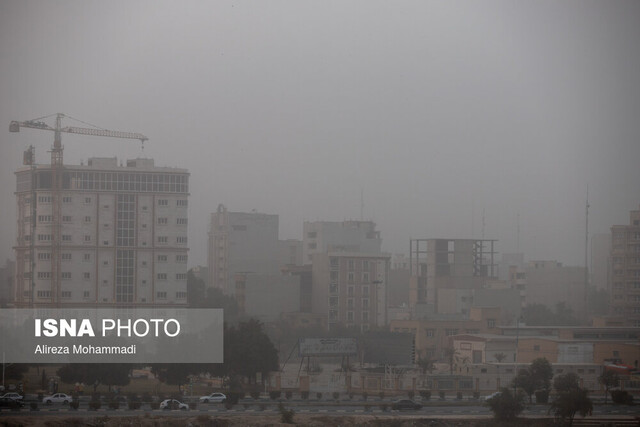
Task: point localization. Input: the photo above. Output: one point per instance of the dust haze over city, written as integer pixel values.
(433, 119)
(446, 192)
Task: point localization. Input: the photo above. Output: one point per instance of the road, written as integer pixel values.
(270, 407)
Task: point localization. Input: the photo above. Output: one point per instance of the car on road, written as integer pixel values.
(57, 398)
(409, 404)
(492, 395)
(214, 398)
(7, 402)
(14, 396)
(173, 404)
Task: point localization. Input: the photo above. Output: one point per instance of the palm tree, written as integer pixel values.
(499, 357)
(451, 354)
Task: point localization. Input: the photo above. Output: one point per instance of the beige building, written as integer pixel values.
(351, 289)
(624, 278)
(432, 336)
(118, 236)
(550, 283)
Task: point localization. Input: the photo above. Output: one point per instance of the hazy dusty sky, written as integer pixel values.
(437, 111)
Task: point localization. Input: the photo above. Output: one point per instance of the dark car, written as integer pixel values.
(409, 404)
(7, 402)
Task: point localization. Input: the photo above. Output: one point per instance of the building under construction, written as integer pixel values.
(444, 273)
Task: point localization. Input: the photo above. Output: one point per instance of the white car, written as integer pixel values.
(173, 404)
(13, 396)
(492, 395)
(213, 397)
(57, 398)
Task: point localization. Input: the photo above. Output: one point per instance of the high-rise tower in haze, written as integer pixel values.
(123, 235)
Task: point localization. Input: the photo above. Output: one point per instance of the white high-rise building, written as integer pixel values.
(122, 232)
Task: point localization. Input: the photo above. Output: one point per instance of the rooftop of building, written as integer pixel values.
(111, 164)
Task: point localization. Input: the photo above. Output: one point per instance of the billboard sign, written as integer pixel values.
(327, 347)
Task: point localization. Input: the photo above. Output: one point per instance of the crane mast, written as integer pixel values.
(56, 187)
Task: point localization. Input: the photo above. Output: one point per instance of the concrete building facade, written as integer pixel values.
(246, 243)
(346, 236)
(351, 289)
(624, 278)
(123, 232)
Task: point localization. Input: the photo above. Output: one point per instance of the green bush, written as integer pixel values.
(476, 395)
(542, 396)
(304, 395)
(255, 395)
(351, 396)
(506, 406)
(621, 397)
(94, 404)
(286, 415)
(233, 397)
(319, 395)
(288, 395)
(384, 407)
(33, 406)
(114, 404)
(155, 405)
(192, 405)
(441, 394)
(275, 394)
(336, 395)
(459, 395)
(133, 404)
(425, 394)
(146, 397)
(75, 403)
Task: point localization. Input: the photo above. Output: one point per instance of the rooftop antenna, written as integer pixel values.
(483, 223)
(586, 252)
(361, 204)
(518, 232)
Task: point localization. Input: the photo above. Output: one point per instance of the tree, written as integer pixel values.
(426, 365)
(109, 374)
(15, 371)
(199, 296)
(609, 379)
(542, 372)
(541, 315)
(174, 373)
(506, 406)
(570, 402)
(499, 357)
(566, 382)
(524, 380)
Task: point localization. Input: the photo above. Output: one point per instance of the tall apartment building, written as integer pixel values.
(350, 288)
(348, 236)
(246, 243)
(123, 235)
(624, 279)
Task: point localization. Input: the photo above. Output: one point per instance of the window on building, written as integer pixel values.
(365, 291)
(181, 295)
(351, 277)
(181, 221)
(162, 239)
(44, 237)
(87, 200)
(87, 219)
(350, 304)
(86, 257)
(349, 316)
(491, 323)
(334, 262)
(44, 275)
(333, 301)
(365, 316)
(181, 202)
(350, 291)
(162, 221)
(66, 237)
(87, 238)
(87, 276)
(66, 294)
(333, 276)
(450, 332)
(66, 199)
(44, 294)
(351, 265)
(365, 277)
(86, 294)
(181, 240)
(43, 256)
(161, 295)
(429, 333)
(162, 276)
(66, 275)
(312, 234)
(66, 256)
(536, 347)
(162, 258)
(181, 258)
(163, 202)
(181, 276)
(365, 304)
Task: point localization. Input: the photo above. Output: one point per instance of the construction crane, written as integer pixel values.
(56, 183)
